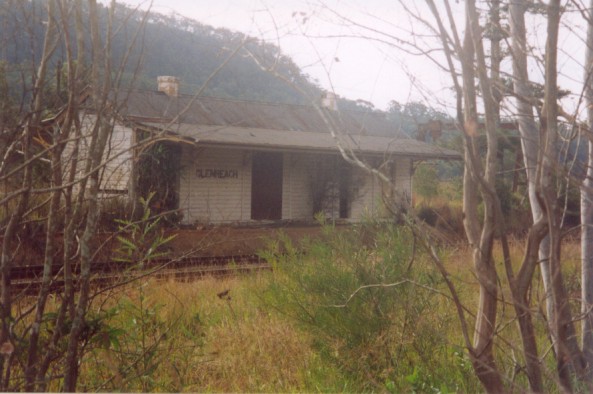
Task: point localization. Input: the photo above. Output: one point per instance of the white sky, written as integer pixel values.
(354, 68)
(358, 68)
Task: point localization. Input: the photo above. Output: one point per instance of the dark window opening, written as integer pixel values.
(266, 186)
(158, 175)
(345, 189)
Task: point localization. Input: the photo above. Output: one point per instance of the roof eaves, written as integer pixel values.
(354, 143)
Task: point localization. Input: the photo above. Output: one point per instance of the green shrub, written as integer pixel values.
(368, 307)
(137, 349)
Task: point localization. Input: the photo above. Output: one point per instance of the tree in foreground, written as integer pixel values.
(489, 59)
(54, 149)
(482, 88)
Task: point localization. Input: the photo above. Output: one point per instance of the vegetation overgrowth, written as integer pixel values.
(301, 327)
(210, 335)
(358, 310)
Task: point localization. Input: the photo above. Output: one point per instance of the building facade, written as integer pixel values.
(240, 161)
(218, 185)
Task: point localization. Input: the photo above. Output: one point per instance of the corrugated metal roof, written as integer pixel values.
(290, 140)
(253, 114)
(217, 121)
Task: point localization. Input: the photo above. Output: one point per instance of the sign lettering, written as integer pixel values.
(216, 173)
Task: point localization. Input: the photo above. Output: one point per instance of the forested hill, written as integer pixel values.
(168, 45)
(178, 46)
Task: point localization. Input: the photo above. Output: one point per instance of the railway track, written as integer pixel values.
(28, 278)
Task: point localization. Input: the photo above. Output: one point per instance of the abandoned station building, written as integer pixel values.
(241, 161)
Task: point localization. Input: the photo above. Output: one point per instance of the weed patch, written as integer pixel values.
(370, 308)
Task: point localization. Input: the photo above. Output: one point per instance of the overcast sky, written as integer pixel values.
(355, 68)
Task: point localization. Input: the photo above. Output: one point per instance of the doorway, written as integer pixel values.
(266, 186)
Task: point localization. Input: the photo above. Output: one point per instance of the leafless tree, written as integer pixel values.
(47, 125)
(477, 80)
(587, 207)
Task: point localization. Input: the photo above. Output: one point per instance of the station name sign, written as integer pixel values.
(216, 173)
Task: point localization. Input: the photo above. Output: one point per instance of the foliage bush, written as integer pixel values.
(136, 344)
(366, 298)
(141, 241)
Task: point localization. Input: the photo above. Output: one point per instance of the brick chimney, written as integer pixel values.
(329, 101)
(169, 85)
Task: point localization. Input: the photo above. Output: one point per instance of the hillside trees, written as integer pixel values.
(65, 106)
(174, 45)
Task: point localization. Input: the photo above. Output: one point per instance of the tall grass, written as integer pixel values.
(372, 303)
(309, 325)
(178, 337)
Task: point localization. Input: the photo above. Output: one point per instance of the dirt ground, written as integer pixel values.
(189, 242)
(233, 240)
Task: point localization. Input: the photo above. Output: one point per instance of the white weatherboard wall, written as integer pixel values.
(117, 157)
(368, 196)
(297, 201)
(208, 190)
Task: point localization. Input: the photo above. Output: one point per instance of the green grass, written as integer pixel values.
(241, 334)
(281, 331)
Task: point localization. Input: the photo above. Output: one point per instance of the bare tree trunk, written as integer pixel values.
(528, 129)
(535, 248)
(569, 357)
(50, 42)
(61, 135)
(482, 242)
(34, 375)
(587, 211)
(478, 180)
(101, 76)
(496, 58)
(72, 207)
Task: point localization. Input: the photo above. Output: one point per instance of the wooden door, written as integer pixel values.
(266, 186)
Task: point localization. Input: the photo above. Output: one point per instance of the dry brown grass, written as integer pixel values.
(243, 347)
(259, 354)
(248, 349)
